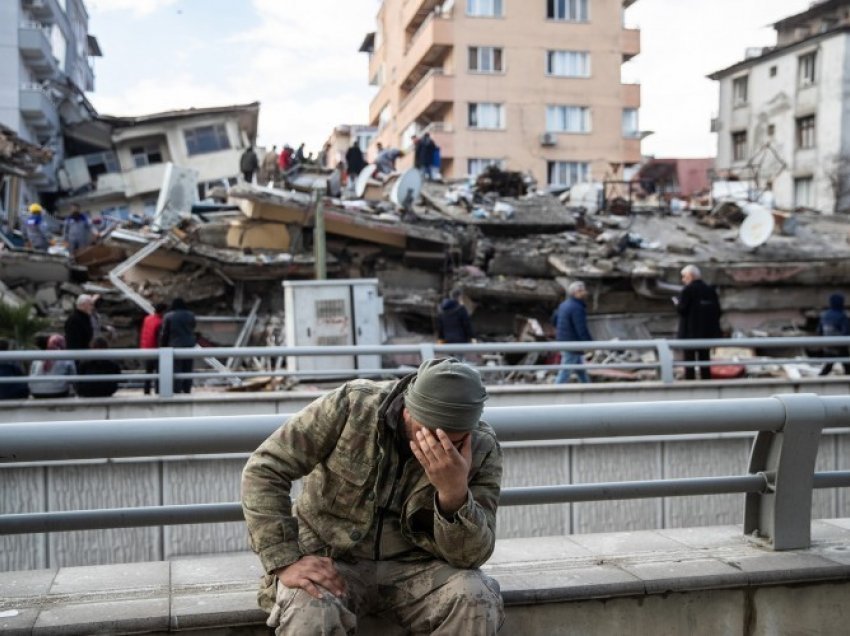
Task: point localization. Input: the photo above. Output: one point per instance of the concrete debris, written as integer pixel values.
(510, 248)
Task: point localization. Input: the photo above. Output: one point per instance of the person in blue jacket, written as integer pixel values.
(453, 322)
(571, 326)
(834, 322)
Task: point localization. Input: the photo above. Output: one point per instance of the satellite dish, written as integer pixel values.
(757, 227)
(363, 180)
(408, 184)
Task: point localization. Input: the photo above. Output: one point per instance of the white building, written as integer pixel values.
(784, 116)
(45, 71)
(124, 175)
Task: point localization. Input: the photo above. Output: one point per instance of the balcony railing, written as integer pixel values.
(38, 110)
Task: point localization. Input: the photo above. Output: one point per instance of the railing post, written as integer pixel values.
(782, 515)
(166, 372)
(665, 361)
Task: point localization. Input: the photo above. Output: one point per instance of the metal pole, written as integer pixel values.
(665, 359)
(319, 238)
(166, 372)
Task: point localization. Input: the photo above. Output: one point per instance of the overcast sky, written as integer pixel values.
(299, 58)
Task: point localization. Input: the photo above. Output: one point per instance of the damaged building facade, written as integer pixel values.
(533, 86)
(45, 71)
(123, 169)
(783, 120)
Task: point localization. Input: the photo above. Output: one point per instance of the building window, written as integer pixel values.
(771, 130)
(485, 59)
(773, 71)
(739, 145)
(804, 192)
(806, 132)
(484, 8)
(486, 115)
(806, 69)
(205, 139)
(477, 165)
(567, 173)
(568, 119)
(384, 117)
(631, 127)
(568, 63)
(567, 10)
(364, 139)
(102, 163)
(739, 90)
(146, 154)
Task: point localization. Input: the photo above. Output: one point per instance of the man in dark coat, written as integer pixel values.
(178, 330)
(453, 323)
(248, 164)
(424, 159)
(571, 326)
(12, 369)
(79, 327)
(834, 322)
(98, 388)
(699, 318)
(354, 160)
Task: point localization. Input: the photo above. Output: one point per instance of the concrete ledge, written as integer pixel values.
(682, 573)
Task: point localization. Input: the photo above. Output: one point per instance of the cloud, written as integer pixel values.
(138, 7)
(300, 61)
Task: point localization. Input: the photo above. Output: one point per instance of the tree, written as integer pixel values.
(20, 324)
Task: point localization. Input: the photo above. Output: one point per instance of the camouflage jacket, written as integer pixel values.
(339, 444)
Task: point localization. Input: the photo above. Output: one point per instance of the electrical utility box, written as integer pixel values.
(324, 313)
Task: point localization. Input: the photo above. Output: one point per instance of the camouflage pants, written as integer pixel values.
(428, 597)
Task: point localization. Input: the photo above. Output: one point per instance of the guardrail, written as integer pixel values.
(777, 487)
(664, 363)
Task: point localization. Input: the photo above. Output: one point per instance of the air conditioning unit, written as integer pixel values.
(548, 139)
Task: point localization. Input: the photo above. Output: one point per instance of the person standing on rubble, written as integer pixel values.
(424, 159)
(453, 323)
(284, 162)
(571, 326)
(385, 161)
(699, 318)
(269, 168)
(397, 511)
(80, 325)
(834, 322)
(78, 230)
(178, 331)
(354, 161)
(248, 164)
(37, 233)
(299, 155)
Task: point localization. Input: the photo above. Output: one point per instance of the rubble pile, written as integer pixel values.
(510, 248)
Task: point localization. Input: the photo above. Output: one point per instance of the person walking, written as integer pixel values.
(400, 484)
(571, 326)
(178, 330)
(248, 164)
(149, 339)
(834, 322)
(699, 318)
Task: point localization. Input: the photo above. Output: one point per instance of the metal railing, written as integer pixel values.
(663, 364)
(777, 487)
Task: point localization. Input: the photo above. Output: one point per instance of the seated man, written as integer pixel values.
(98, 388)
(397, 512)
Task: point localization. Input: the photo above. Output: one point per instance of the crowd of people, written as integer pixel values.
(168, 326)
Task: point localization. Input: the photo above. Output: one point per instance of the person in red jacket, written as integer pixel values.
(149, 339)
(285, 161)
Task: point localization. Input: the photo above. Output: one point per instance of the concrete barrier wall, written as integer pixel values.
(208, 480)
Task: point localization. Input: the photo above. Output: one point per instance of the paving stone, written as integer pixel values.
(114, 617)
(539, 584)
(826, 531)
(679, 576)
(841, 523)
(837, 553)
(215, 571)
(626, 543)
(25, 583)
(511, 551)
(711, 537)
(111, 578)
(16, 621)
(786, 567)
(196, 611)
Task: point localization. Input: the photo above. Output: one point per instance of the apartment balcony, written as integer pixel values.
(42, 10)
(39, 111)
(427, 49)
(630, 43)
(142, 180)
(381, 99)
(630, 95)
(34, 45)
(428, 99)
(376, 59)
(415, 12)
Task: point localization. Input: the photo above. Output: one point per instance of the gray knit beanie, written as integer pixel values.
(446, 394)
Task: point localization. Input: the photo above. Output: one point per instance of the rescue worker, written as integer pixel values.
(37, 232)
(78, 230)
(397, 510)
